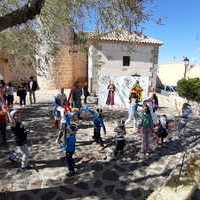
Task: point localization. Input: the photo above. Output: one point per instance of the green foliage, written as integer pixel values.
(102, 15)
(108, 15)
(189, 89)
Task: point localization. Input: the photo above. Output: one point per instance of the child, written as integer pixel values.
(98, 123)
(20, 138)
(3, 123)
(120, 139)
(162, 129)
(186, 111)
(61, 98)
(147, 126)
(69, 146)
(66, 120)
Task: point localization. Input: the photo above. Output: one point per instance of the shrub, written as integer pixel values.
(189, 89)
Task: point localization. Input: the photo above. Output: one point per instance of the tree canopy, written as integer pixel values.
(189, 89)
(106, 14)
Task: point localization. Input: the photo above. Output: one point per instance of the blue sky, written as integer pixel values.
(180, 32)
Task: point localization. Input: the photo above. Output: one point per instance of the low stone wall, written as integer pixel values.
(177, 102)
(183, 187)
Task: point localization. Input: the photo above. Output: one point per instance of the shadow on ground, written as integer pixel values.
(96, 179)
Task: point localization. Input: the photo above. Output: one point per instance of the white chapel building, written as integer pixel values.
(122, 54)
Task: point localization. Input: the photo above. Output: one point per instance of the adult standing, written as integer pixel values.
(154, 99)
(3, 123)
(111, 94)
(21, 93)
(147, 125)
(2, 92)
(32, 87)
(85, 92)
(10, 94)
(76, 94)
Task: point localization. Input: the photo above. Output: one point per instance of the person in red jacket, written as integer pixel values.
(3, 123)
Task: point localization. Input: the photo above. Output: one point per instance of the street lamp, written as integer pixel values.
(186, 64)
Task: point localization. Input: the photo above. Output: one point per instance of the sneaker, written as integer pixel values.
(19, 170)
(71, 174)
(27, 168)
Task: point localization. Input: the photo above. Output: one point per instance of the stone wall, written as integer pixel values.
(13, 70)
(5, 71)
(70, 66)
(177, 102)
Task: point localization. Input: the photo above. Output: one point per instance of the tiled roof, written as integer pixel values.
(125, 36)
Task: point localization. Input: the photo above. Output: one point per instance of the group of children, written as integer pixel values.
(66, 120)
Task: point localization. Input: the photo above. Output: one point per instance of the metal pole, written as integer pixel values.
(185, 71)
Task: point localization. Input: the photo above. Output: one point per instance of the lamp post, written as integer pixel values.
(186, 64)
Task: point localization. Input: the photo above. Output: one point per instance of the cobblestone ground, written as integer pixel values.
(98, 175)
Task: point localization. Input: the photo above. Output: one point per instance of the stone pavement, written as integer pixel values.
(98, 175)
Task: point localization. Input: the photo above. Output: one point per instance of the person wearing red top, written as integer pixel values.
(67, 107)
(111, 94)
(2, 92)
(3, 123)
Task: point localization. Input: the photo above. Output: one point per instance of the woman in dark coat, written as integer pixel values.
(76, 94)
(86, 92)
(21, 93)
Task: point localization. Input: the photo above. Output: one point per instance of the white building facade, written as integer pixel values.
(122, 55)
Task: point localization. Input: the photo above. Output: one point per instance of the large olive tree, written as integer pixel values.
(31, 28)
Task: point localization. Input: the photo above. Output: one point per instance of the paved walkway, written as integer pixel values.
(98, 175)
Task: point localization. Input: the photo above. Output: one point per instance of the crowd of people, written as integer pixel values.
(22, 88)
(142, 113)
(9, 114)
(68, 111)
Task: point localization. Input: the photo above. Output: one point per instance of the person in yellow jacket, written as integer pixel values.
(137, 91)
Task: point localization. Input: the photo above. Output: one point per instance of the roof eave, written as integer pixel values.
(126, 41)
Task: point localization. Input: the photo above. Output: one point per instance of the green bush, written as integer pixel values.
(189, 89)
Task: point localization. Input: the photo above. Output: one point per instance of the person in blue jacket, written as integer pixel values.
(69, 147)
(98, 124)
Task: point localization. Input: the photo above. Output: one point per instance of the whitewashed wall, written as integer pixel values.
(123, 87)
(106, 58)
(177, 102)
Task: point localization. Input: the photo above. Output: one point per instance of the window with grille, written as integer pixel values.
(126, 61)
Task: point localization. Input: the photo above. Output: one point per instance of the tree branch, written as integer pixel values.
(21, 15)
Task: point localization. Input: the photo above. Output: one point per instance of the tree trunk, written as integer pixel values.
(21, 15)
